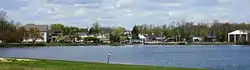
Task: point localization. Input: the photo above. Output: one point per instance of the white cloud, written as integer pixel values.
(127, 12)
(122, 3)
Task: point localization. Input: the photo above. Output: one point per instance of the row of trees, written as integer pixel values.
(115, 34)
(186, 30)
(69, 31)
(11, 31)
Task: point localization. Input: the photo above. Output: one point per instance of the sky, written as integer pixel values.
(125, 13)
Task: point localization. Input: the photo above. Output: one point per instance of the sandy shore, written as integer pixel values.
(14, 59)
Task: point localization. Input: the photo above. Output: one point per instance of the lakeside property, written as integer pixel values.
(43, 64)
(215, 32)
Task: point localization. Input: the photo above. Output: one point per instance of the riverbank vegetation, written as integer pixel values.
(42, 64)
(178, 31)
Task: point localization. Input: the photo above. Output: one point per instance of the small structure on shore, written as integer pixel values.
(155, 38)
(142, 37)
(238, 35)
(197, 39)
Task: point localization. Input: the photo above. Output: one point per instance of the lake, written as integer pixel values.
(221, 57)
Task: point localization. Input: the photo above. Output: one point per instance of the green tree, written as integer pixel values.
(83, 30)
(91, 40)
(8, 32)
(105, 30)
(91, 31)
(117, 35)
(59, 38)
(95, 29)
(34, 34)
(71, 32)
(22, 34)
(57, 27)
(135, 32)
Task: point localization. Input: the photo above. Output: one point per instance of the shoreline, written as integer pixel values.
(28, 63)
(114, 44)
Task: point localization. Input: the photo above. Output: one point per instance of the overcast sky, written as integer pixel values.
(126, 13)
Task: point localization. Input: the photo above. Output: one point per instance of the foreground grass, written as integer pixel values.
(70, 65)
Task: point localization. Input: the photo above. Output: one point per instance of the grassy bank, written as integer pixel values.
(41, 64)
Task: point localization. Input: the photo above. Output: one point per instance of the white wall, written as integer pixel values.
(44, 36)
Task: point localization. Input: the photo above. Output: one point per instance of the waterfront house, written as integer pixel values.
(210, 38)
(43, 32)
(170, 40)
(128, 36)
(238, 35)
(142, 37)
(155, 38)
(82, 34)
(102, 37)
(55, 34)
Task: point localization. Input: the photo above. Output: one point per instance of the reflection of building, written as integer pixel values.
(238, 35)
(43, 32)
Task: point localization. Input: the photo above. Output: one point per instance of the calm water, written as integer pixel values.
(212, 57)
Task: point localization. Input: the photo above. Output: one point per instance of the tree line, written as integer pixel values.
(11, 31)
(186, 30)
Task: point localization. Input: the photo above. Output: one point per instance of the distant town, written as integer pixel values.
(179, 32)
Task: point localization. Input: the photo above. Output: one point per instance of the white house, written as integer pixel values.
(238, 35)
(83, 34)
(197, 39)
(43, 32)
(102, 37)
(142, 37)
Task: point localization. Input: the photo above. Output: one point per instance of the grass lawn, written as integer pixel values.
(42, 64)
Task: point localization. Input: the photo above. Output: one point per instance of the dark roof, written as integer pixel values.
(42, 28)
(82, 33)
(151, 36)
